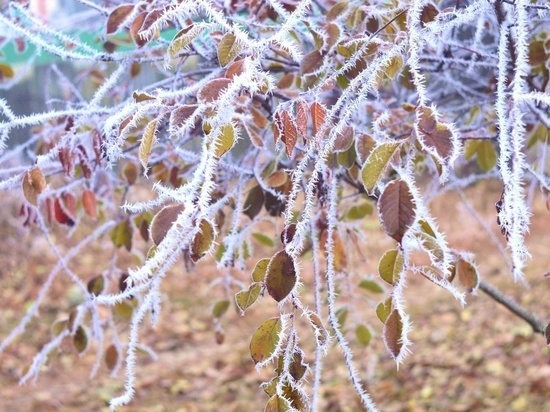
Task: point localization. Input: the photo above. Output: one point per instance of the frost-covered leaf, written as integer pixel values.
(396, 209)
(228, 49)
(376, 164)
(321, 333)
(212, 90)
(245, 298)
(301, 117)
(142, 96)
(289, 132)
(281, 276)
(277, 404)
(203, 240)
(467, 274)
(180, 114)
(135, 28)
(34, 183)
(311, 62)
(260, 270)
(318, 115)
(162, 222)
(182, 39)
(225, 140)
(434, 135)
(265, 340)
(117, 17)
(390, 266)
(393, 333)
(394, 67)
(383, 309)
(147, 142)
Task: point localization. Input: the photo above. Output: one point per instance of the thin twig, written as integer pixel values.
(529, 317)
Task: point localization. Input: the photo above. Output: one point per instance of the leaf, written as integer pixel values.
(6, 72)
(254, 202)
(341, 317)
(429, 13)
(228, 49)
(321, 333)
(117, 17)
(124, 309)
(180, 114)
(96, 285)
(162, 222)
(147, 141)
(265, 340)
(376, 164)
(245, 298)
(289, 133)
(311, 62)
(344, 140)
(363, 335)
(142, 97)
(80, 339)
(111, 357)
(393, 333)
(260, 270)
(225, 140)
(486, 155)
(277, 404)
(220, 307)
(301, 117)
(263, 239)
(61, 214)
(34, 183)
(396, 209)
(371, 286)
(281, 276)
(234, 69)
(391, 266)
(203, 240)
(59, 326)
(288, 233)
(135, 28)
(467, 274)
(360, 211)
(337, 10)
(182, 39)
(318, 116)
(121, 235)
(383, 309)
(364, 144)
(89, 203)
(394, 66)
(130, 173)
(435, 136)
(212, 90)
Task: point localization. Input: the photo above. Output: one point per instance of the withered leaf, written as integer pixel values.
(117, 17)
(89, 202)
(265, 340)
(228, 49)
(111, 357)
(180, 114)
(393, 333)
(436, 136)
(162, 222)
(34, 183)
(203, 240)
(212, 90)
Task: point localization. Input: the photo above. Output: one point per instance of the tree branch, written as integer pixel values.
(529, 317)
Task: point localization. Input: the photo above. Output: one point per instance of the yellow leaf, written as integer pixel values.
(147, 142)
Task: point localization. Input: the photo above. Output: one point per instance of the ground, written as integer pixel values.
(477, 358)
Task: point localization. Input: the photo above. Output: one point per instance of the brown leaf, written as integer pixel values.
(396, 209)
(117, 17)
(228, 49)
(254, 202)
(203, 240)
(150, 19)
(289, 135)
(318, 115)
(393, 333)
(180, 114)
(34, 183)
(467, 274)
(212, 90)
(281, 276)
(234, 69)
(89, 203)
(311, 62)
(301, 117)
(111, 357)
(162, 222)
(436, 136)
(265, 340)
(135, 28)
(96, 285)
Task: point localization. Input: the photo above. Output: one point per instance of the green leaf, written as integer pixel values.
(383, 309)
(265, 340)
(390, 266)
(376, 164)
(228, 49)
(121, 235)
(219, 308)
(371, 286)
(360, 211)
(80, 339)
(426, 228)
(263, 239)
(96, 285)
(486, 155)
(281, 276)
(363, 335)
(245, 298)
(260, 270)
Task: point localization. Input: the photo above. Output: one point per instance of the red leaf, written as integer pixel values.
(318, 115)
(301, 117)
(90, 203)
(136, 27)
(397, 210)
(290, 134)
(211, 91)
